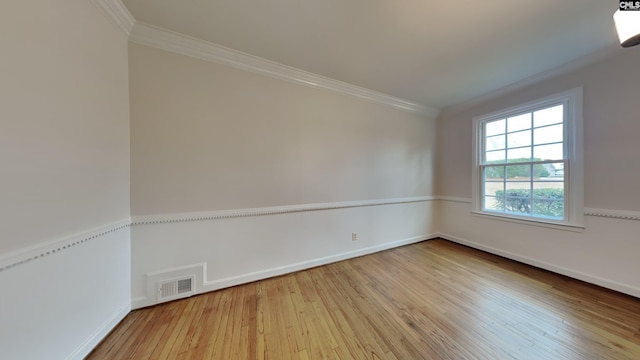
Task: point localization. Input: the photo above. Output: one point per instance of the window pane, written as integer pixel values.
(548, 116)
(495, 127)
(520, 205)
(548, 134)
(495, 142)
(494, 188)
(548, 152)
(519, 139)
(519, 172)
(548, 199)
(548, 208)
(493, 203)
(519, 122)
(519, 155)
(518, 188)
(495, 156)
(494, 173)
(555, 170)
(548, 171)
(549, 189)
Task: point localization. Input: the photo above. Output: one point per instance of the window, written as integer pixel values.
(528, 161)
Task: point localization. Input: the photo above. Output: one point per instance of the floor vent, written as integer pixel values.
(176, 288)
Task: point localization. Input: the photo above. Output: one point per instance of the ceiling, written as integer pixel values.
(433, 52)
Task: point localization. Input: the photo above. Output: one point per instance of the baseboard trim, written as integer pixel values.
(140, 302)
(606, 283)
(218, 284)
(92, 341)
(28, 254)
(273, 272)
(275, 210)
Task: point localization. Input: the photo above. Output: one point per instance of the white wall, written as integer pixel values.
(64, 150)
(605, 252)
(60, 306)
(208, 137)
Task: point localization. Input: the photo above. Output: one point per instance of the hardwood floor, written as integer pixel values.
(431, 300)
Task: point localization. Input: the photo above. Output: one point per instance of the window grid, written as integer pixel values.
(503, 152)
(527, 207)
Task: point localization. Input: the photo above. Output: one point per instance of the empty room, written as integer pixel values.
(313, 179)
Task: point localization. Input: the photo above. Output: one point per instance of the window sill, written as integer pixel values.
(529, 221)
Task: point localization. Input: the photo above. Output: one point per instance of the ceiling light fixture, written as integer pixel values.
(628, 27)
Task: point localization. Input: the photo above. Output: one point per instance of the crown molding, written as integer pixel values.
(275, 210)
(164, 39)
(116, 13)
(589, 59)
(28, 254)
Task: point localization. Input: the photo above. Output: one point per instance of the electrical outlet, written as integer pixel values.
(354, 236)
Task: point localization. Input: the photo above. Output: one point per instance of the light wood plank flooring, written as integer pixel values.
(431, 300)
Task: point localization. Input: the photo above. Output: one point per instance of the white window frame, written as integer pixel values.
(573, 150)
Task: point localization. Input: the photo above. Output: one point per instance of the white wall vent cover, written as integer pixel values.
(176, 288)
(175, 283)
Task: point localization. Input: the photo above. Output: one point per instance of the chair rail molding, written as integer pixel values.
(594, 212)
(275, 210)
(613, 214)
(25, 255)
